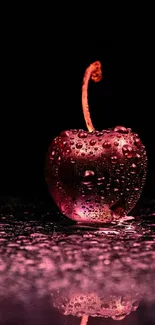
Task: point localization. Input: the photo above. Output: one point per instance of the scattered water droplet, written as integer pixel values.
(88, 173)
(106, 144)
(68, 151)
(105, 306)
(99, 134)
(82, 134)
(127, 151)
(137, 142)
(100, 179)
(79, 145)
(120, 129)
(77, 305)
(92, 142)
(113, 159)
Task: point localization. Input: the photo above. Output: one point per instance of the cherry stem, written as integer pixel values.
(94, 72)
(84, 320)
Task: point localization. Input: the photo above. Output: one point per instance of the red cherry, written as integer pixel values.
(95, 176)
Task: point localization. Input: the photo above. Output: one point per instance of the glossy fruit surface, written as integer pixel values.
(96, 176)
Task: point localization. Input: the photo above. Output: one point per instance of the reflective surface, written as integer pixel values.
(56, 273)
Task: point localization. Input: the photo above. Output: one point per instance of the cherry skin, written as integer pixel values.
(95, 176)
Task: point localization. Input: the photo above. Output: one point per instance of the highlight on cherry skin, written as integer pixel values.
(95, 176)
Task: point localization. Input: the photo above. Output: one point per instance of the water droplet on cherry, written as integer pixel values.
(79, 145)
(120, 129)
(113, 159)
(92, 142)
(106, 144)
(127, 151)
(82, 135)
(137, 142)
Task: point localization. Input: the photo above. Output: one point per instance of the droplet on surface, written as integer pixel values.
(64, 143)
(82, 135)
(120, 129)
(99, 134)
(79, 145)
(127, 151)
(137, 142)
(106, 144)
(92, 142)
(88, 173)
(113, 159)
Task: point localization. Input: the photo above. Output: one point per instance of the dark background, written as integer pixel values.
(41, 96)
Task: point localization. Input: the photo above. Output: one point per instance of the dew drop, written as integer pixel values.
(116, 143)
(88, 173)
(100, 179)
(106, 144)
(82, 135)
(120, 129)
(99, 134)
(105, 306)
(127, 151)
(77, 305)
(137, 142)
(92, 142)
(138, 155)
(68, 151)
(113, 159)
(79, 145)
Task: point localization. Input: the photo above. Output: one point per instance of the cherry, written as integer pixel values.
(95, 176)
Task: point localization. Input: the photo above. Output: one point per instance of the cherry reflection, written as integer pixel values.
(104, 286)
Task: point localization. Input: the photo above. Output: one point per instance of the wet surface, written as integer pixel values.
(54, 273)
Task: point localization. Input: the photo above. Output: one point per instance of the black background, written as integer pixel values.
(41, 96)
